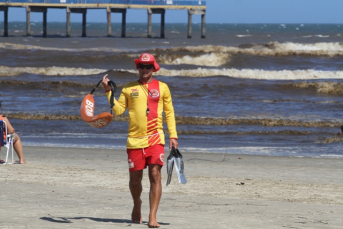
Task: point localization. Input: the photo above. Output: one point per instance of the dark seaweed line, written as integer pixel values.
(190, 120)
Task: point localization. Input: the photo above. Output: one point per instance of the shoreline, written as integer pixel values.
(88, 188)
(223, 151)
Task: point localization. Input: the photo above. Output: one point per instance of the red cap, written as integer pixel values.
(147, 58)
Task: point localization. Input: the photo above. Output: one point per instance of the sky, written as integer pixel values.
(218, 11)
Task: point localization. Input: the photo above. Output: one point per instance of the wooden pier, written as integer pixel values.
(152, 7)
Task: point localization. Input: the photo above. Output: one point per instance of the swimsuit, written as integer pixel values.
(138, 159)
(4, 132)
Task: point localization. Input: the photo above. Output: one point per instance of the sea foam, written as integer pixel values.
(199, 72)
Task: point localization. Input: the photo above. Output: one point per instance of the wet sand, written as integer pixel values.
(88, 188)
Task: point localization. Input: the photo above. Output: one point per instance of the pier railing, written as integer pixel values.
(128, 2)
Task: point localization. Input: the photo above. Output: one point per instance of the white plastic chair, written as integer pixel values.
(7, 142)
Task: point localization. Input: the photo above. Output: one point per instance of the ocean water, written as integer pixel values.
(260, 89)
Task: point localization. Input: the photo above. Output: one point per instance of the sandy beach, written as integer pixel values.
(88, 188)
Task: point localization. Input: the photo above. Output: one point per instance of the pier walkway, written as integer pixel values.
(109, 6)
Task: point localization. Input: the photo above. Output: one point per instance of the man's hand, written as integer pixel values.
(105, 81)
(173, 142)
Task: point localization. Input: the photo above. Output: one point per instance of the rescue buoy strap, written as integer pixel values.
(113, 90)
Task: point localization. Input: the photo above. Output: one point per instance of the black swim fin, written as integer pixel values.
(170, 165)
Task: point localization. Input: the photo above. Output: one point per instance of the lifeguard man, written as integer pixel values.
(146, 100)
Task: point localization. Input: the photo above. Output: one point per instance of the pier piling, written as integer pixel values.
(123, 24)
(149, 23)
(28, 23)
(189, 34)
(68, 23)
(109, 27)
(45, 23)
(5, 9)
(84, 24)
(203, 28)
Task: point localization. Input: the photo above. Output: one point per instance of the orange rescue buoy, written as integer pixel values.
(87, 109)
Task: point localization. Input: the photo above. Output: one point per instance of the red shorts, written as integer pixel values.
(138, 159)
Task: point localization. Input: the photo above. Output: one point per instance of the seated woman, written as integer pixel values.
(18, 147)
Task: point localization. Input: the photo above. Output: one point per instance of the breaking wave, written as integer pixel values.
(57, 71)
(35, 47)
(212, 59)
(49, 83)
(255, 74)
(191, 120)
(334, 139)
(321, 87)
(199, 72)
(61, 83)
(269, 49)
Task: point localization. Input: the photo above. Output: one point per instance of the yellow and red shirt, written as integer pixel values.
(146, 103)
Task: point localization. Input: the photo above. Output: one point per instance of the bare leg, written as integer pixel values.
(136, 190)
(18, 147)
(155, 194)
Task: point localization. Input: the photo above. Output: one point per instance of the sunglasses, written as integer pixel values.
(142, 66)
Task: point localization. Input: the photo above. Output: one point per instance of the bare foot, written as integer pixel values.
(152, 222)
(136, 216)
(20, 162)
